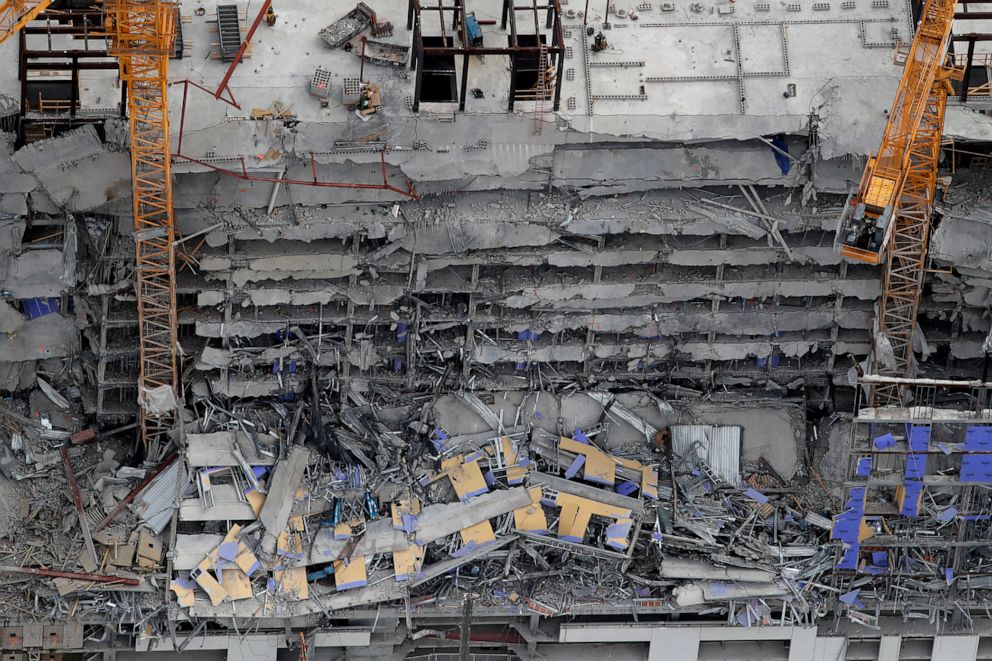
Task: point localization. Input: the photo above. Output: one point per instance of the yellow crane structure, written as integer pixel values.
(888, 217)
(141, 34)
(15, 14)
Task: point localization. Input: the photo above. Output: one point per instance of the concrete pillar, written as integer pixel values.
(803, 643)
(954, 648)
(889, 647)
(252, 648)
(671, 643)
(829, 648)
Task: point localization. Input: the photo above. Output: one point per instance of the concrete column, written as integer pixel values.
(889, 647)
(954, 648)
(252, 648)
(829, 648)
(671, 643)
(803, 643)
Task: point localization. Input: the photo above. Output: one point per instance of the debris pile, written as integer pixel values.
(375, 501)
(79, 537)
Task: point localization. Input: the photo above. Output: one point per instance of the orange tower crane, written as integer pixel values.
(888, 217)
(142, 33)
(15, 14)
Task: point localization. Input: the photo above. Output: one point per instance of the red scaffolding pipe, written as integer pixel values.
(241, 52)
(76, 576)
(243, 174)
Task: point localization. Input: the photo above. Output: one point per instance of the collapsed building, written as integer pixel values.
(514, 337)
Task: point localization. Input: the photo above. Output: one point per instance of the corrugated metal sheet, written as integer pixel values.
(719, 447)
(154, 505)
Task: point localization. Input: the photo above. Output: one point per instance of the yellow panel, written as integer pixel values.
(649, 482)
(880, 193)
(509, 452)
(238, 585)
(289, 545)
(351, 573)
(620, 541)
(571, 445)
(530, 518)
(205, 579)
(514, 474)
(465, 478)
(407, 562)
(573, 522)
(479, 534)
(214, 590)
(629, 463)
(859, 255)
(865, 531)
(599, 467)
(404, 506)
(256, 500)
(292, 583)
(594, 507)
(185, 596)
(246, 560)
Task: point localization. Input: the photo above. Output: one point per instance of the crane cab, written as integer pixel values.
(866, 222)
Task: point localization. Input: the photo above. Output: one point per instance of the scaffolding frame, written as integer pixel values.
(946, 410)
(553, 53)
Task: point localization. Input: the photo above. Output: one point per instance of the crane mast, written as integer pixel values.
(15, 14)
(142, 34)
(888, 217)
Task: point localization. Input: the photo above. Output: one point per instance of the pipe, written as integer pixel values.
(135, 491)
(76, 576)
(241, 51)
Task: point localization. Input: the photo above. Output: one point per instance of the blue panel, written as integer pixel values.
(39, 307)
(846, 526)
(976, 468)
(978, 439)
(916, 466)
(864, 467)
(919, 439)
(885, 441)
(850, 558)
(910, 505)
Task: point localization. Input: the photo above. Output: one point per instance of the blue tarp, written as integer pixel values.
(784, 162)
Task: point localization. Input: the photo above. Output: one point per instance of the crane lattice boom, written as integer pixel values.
(142, 34)
(888, 217)
(15, 14)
